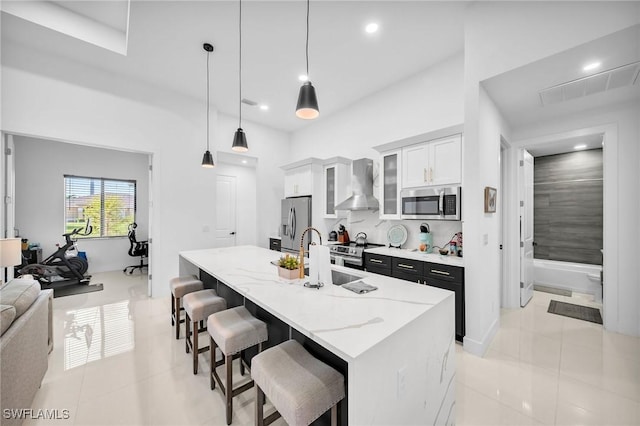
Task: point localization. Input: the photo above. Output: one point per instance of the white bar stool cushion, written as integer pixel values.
(181, 286)
(236, 329)
(200, 304)
(300, 386)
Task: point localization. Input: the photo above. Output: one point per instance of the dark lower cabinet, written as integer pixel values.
(458, 289)
(275, 244)
(377, 264)
(407, 269)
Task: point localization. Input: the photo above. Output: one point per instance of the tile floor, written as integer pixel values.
(116, 362)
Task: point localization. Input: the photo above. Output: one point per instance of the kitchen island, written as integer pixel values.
(395, 345)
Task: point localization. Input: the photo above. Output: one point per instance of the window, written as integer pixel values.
(109, 203)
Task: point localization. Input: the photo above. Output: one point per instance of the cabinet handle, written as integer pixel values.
(424, 174)
(375, 261)
(431, 174)
(435, 271)
(402, 265)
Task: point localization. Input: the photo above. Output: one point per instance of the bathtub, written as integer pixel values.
(579, 277)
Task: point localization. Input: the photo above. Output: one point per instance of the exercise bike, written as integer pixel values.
(64, 267)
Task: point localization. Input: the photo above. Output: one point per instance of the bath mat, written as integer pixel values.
(76, 289)
(584, 313)
(552, 290)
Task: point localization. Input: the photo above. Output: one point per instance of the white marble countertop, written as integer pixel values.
(418, 255)
(275, 237)
(344, 322)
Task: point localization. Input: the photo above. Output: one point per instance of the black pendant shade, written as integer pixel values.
(207, 160)
(307, 102)
(240, 141)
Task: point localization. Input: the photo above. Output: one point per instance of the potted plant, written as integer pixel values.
(288, 267)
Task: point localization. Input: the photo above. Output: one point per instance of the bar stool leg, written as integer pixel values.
(259, 406)
(187, 331)
(196, 348)
(173, 309)
(229, 391)
(177, 314)
(334, 415)
(212, 348)
(241, 364)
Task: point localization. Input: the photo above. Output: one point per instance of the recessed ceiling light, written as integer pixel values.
(264, 107)
(371, 28)
(591, 66)
(303, 77)
(579, 147)
(244, 161)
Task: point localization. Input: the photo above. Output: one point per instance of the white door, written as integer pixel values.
(225, 211)
(526, 227)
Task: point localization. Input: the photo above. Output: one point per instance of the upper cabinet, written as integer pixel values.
(300, 177)
(335, 185)
(437, 162)
(390, 173)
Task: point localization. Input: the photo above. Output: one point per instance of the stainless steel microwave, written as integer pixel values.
(439, 203)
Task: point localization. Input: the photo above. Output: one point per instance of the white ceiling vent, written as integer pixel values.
(625, 75)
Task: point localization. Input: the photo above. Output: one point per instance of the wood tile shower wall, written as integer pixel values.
(568, 206)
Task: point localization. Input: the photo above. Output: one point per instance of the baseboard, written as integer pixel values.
(479, 348)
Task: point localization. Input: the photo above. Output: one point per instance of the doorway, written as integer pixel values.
(225, 211)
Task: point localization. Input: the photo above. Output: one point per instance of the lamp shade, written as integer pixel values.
(240, 141)
(207, 160)
(307, 102)
(10, 252)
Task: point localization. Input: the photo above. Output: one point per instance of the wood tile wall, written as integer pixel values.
(568, 207)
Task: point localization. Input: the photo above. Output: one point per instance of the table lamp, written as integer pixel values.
(10, 254)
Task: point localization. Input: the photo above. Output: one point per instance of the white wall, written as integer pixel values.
(428, 101)
(39, 202)
(621, 226)
(500, 36)
(53, 98)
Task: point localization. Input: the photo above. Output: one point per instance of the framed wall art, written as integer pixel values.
(490, 195)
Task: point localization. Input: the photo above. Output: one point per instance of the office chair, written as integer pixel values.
(137, 249)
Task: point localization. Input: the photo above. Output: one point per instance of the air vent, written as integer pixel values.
(625, 75)
(249, 102)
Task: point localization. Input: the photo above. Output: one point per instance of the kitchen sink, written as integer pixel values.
(340, 278)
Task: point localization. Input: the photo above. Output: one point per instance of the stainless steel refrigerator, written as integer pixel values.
(295, 218)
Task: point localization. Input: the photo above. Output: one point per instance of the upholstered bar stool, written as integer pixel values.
(180, 286)
(198, 305)
(299, 386)
(233, 331)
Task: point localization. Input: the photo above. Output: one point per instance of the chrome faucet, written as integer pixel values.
(301, 267)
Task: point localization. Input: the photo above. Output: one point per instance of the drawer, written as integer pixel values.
(407, 276)
(408, 266)
(443, 272)
(379, 271)
(274, 244)
(377, 261)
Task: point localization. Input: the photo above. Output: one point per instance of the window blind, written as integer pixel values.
(109, 203)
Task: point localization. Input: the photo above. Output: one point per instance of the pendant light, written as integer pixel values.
(307, 101)
(207, 158)
(239, 139)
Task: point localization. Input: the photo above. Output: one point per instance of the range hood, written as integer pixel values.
(362, 186)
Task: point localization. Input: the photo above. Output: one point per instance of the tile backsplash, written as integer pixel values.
(367, 221)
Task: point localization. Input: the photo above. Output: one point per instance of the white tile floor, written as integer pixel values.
(116, 362)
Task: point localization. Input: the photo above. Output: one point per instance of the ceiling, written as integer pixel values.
(346, 64)
(585, 142)
(516, 93)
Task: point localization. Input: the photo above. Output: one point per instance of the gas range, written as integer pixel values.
(350, 254)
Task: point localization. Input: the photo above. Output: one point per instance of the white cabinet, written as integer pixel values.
(298, 181)
(335, 185)
(435, 162)
(390, 173)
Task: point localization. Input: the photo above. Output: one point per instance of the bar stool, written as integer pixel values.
(180, 286)
(233, 331)
(198, 305)
(300, 387)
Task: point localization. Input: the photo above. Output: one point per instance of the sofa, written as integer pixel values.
(25, 343)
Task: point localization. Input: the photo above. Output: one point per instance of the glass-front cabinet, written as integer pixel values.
(390, 184)
(336, 183)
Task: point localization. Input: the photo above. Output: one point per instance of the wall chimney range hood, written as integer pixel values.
(362, 187)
